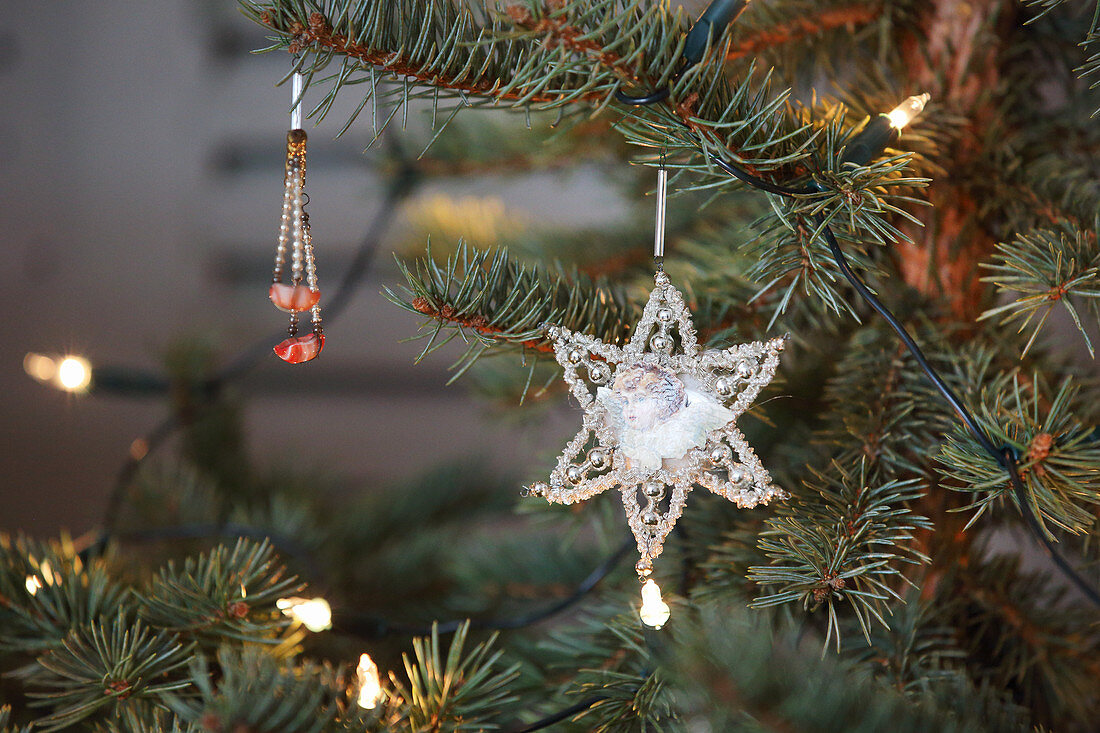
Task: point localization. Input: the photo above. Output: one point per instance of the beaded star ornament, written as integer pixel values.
(296, 297)
(660, 416)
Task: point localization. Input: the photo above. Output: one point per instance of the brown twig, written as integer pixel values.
(476, 323)
(320, 33)
(809, 25)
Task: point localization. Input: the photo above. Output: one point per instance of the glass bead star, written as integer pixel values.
(660, 419)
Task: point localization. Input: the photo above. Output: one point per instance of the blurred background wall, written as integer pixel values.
(142, 173)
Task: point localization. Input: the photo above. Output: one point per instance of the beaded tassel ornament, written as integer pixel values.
(295, 297)
(660, 419)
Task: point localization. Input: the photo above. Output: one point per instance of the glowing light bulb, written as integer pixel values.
(654, 611)
(70, 373)
(370, 686)
(904, 113)
(48, 575)
(33, 584)
(39, 366)
(74, 373)
(313, 613)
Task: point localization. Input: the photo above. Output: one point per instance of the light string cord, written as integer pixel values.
(368, 627)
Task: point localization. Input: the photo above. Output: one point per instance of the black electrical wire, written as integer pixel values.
(559, 716)
(284, 544)
(373, 628)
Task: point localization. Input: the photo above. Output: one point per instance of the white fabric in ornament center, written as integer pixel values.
(656, 414)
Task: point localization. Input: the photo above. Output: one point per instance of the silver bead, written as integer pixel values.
(654, 489)
(597, 458)
(575, 356)
(650, 518)
(573, 474)
(537, 489)
(664, 314)
(644, 568)
(661, 279)
(599, 372)
(744, 370)
(721, 453)
(723, 387)
(660, 343)
(736, 476)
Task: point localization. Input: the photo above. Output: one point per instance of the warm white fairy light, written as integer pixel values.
(70, 373)
(40, 367)
(34, 583)
(74, 373)
(654, 611)
(370, 685)
(904, 113)
(313, 613)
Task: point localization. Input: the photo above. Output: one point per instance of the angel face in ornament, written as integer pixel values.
(657, 415)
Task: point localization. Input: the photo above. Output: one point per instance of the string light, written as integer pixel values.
(654, 611)
(40, 367)
(370, 686)
(883, 131)
(905, 112)
(74, 373)
(313, 613)
(70, 373)
(34, 583)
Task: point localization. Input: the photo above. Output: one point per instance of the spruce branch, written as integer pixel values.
(608, 661)
(1023, 638)
(107, 667)
(490, 300)
(1043, 269)
(1058, 453)
(742, 673)
(249, 689)
(917, 652)
(845, 540)
(816, 21)
(46, 590)
(148, 717)
(5, 722)
(222, 595)
(881, 407)
(459, 691)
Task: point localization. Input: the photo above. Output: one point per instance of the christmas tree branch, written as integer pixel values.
(320, 37)
(495, 300)
(812, 24)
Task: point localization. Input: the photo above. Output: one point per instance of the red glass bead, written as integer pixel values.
(293, 298)
(296, 350)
